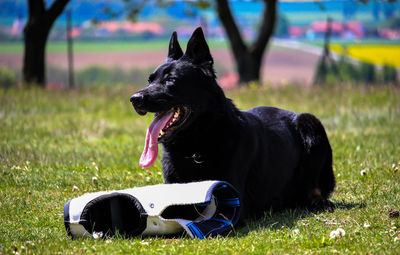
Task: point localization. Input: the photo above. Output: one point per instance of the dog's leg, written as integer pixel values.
(317, 180)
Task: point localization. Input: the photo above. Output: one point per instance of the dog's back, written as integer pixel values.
(297, 156)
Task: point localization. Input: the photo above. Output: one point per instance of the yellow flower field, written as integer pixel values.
(375, 54)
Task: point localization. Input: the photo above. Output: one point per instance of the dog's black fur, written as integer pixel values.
(275, 158)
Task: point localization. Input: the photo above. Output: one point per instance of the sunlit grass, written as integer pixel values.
(50, 139)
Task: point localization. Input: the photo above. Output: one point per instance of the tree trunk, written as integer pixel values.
(36, 32)
(248, 67)
(248, 58)
(35, 38)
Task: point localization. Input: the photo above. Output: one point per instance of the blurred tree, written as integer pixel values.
(282, 26)
(326, 63)
(367, 73)
(36, 32)
(389, 74)
(248, 58)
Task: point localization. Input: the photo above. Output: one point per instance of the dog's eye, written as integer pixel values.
(170, 79)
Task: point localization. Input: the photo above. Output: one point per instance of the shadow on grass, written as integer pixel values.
(349, 205)
(287, 218)
(270, 220)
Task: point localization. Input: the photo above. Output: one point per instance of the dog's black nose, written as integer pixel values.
(137, 101)
(136, 98)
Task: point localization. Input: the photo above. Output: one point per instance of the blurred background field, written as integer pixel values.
(103, 37)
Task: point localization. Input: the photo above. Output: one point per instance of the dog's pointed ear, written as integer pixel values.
(197, 49)
(174, 49)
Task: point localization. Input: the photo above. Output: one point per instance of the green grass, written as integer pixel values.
(151, 45)
(50, 139)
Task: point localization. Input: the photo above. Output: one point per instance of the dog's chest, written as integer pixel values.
(190, 166)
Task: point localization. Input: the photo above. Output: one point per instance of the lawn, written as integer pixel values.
(53, 142)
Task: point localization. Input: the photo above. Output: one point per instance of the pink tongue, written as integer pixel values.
(150, 152)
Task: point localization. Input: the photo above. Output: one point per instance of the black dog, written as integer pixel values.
(275, 158)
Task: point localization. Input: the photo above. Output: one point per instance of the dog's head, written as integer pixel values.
(180, 89)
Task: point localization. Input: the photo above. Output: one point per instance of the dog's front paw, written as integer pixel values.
(322, 204)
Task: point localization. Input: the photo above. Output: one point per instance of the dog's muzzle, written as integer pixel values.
(137, 101)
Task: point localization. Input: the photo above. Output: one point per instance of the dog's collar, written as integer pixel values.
(197, 158)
